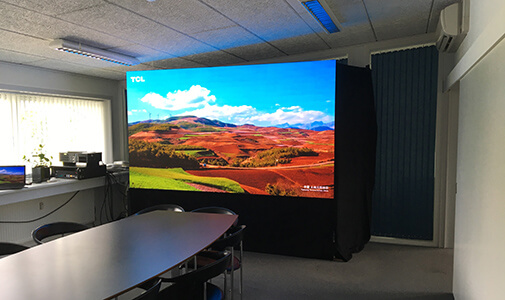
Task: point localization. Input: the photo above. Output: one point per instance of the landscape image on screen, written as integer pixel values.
(12, 175)
(258, 129)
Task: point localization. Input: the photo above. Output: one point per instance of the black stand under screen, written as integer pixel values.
(307, 227)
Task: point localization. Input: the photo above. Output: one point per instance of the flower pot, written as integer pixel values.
(40, 174)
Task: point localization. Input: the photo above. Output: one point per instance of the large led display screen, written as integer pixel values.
(264, 129)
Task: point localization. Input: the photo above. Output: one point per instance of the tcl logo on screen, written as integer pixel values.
(137, 79)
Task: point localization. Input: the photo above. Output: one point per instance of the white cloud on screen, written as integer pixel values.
(225, 113)
(245, 114)
(133, 111)
(291, 115)
(200, 100)
(196, 96)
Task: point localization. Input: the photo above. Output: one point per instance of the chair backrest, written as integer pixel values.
(170, 207)
(57, 228)
(209, 271)
(216, 210)
(232, 239)
(152, 287)
(10, 248)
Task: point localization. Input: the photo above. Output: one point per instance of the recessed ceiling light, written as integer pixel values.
(92, 52)
(321, 11)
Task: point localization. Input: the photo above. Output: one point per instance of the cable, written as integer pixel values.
(110, 181)
(107, 208)
(114, 181)
(104, 203)
(36, 219)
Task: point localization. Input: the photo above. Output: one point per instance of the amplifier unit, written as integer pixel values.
(79, 172)
(72, 158)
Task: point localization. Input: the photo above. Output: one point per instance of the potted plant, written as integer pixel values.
(41, 164)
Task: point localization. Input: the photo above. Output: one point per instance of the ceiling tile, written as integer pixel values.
(142, 53)
(175, 63)
(17, 57)
(217, 58)
(352, 35)
(186, 16)
(351, 14)
(34, 24)
(191, 33)
(256, 52)
(301, 44)
(269, 20)
(26, 22)
(78, 68)
(226, 38)
(26, 44)
(390, 24)
(54, 7)
(136, 29)
(124, 69)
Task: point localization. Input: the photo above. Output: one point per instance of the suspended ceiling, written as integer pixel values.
(194, 33)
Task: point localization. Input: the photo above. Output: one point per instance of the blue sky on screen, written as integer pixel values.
(12, 170)
(263, 95)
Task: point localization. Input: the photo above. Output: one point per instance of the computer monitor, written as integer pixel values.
(12, 177)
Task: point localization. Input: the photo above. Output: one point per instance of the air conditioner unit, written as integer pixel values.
(452, 27)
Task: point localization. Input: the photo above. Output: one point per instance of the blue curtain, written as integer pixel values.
(405, 86)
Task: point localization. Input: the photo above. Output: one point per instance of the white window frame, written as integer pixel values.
(107, 154)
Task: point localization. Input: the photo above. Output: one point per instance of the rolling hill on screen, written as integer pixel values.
(286, 160)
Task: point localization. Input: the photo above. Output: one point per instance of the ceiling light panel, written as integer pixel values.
(320, 10)
(92, 52)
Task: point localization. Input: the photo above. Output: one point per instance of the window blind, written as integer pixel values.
(405, 85)
(60, 124)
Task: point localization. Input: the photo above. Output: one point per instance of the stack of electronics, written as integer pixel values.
(80, 165)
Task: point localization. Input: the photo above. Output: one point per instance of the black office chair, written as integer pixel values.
(10, 248)
(193, 285)
(217, 210)
(170, 207)
(56, 229)
(233, 240)
(152, 288)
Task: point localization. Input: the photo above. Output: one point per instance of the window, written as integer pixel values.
(60, 124)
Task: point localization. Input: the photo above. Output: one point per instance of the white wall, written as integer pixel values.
(32, 79)
(480, 200)
(481, 13)
(82, 208)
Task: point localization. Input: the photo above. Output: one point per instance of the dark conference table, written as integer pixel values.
(108, 260)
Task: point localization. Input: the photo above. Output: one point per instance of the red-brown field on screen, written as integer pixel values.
(254, 181)
(306, 175)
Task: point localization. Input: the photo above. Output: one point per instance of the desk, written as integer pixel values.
(56, 186)
(108, 260)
